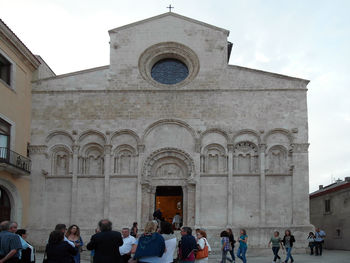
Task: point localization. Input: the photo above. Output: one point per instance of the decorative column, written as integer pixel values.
(197, 180)
(262, 148)
(107, 173)
(191, 201)
(141, 150)
(230, 187)
(152, 197)
(73, 216)
(185, 205)
(300, 184)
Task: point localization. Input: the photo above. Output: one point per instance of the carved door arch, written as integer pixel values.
(168, 167)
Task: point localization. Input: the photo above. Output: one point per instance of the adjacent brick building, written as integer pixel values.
(330, 211)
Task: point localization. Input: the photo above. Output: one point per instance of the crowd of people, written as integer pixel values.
(156, 244)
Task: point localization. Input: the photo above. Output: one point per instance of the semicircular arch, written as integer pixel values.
(128, 132)
(281, 131)
(164, 153)
(246, 131)
(59, 132)
(215, 130)
(168, 121)
(15, 200)
(86, 133)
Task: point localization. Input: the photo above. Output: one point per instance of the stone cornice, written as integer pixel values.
(300, 147)
(18, 44)
(37, 149)
(173, 14)
(163, 90)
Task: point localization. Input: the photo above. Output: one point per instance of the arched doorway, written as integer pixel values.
(168, 178)
(169, 199)
(5, 205)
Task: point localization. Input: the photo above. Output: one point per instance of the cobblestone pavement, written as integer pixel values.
(329, 256)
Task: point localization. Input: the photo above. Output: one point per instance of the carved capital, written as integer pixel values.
(230, 147)
(192, 180)
(75, 149)
(108, 149)
(141, 148)
(197, 147)
(262, 148)
(300, 147)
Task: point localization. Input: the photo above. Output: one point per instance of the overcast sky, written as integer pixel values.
(307, 39)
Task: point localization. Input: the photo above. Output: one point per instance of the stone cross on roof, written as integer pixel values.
(170, 7)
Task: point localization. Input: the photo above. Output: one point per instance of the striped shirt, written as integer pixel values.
(9, 241)
(226, 241)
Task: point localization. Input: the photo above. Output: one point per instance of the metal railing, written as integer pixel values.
(14, 159)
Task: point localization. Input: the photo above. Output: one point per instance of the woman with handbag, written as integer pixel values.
(203, 247)
(73, 234)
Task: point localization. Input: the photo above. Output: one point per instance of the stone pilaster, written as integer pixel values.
(140, 149)
(73, 216)
(230, 186)
(197, 164)
(107, 173)
(262, 148)
(152, 196)
(300, 183)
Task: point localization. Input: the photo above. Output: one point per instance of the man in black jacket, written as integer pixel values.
(106, 244)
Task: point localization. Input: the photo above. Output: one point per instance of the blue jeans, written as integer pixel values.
(275, 253)
(289, 254)
(241, 253)
(232, 254)
(224, 256)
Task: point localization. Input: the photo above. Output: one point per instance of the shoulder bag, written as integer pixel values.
(203, 253)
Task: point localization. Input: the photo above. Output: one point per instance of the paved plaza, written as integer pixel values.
(329, 256)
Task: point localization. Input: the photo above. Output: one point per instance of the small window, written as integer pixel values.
(5, 70)
(327, 205)
(338, 233)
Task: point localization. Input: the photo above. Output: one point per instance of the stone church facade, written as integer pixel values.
(232, 140)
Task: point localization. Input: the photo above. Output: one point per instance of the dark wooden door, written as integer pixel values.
(169, 206)
(5, 205)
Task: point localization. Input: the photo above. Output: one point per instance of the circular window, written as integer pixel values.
(168, 65)
(169, 71)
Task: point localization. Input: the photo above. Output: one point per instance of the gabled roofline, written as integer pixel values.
(43, 61)
(72, 73)
(306, 81)
(18, 44)
(227, 32)
(328, 191)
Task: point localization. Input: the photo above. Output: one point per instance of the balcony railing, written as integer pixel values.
(15, 160)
